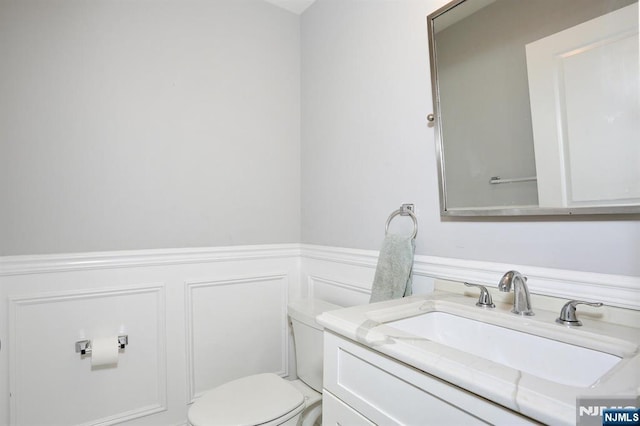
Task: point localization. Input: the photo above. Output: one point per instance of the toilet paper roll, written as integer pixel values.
(104, 351)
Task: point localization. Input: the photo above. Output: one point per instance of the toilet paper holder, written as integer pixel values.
(83, 347)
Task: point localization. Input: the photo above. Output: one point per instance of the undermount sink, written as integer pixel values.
(549, 359)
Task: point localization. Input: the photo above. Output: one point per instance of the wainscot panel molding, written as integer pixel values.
(194, 318)
(259, 336)
(47, 377)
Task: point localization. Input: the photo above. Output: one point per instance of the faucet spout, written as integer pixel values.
(521, 297)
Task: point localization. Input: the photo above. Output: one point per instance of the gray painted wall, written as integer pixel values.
(147, 124)
(127, 125)
(366, 148)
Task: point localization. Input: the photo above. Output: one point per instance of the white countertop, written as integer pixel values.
(543, 400)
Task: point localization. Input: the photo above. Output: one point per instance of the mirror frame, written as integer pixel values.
(439, 143)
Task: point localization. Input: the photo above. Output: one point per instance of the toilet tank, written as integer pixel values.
(308, 339)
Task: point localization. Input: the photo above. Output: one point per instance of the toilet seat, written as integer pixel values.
(261, 399)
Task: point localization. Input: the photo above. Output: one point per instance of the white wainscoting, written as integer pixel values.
(195, 318)
(255, 329)
(48, 380)
(344, 276)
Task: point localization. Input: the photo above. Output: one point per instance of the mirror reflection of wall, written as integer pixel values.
(583, 90)
(484, 98)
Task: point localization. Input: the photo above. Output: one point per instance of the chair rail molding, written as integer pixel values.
(615, 290)
(37, 264)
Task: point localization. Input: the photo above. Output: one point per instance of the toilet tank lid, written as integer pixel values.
(250, 400)
(306, 310)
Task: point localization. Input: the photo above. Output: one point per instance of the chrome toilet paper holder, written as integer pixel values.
(83, 347)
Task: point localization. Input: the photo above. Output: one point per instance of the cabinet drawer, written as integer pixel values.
(389, 392)
(336, 412)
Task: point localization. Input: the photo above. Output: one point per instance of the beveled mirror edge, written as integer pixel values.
(490, 211)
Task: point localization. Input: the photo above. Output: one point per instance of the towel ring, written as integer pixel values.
(403, 211)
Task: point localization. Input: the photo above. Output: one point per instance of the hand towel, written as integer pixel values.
(393, 272)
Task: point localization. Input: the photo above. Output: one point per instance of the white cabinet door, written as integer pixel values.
(583, 88)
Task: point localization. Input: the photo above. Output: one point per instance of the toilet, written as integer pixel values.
(267, 399)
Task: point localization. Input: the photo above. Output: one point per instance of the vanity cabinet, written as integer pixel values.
(364, 387)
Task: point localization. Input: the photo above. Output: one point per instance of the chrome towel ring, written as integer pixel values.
(404, 210)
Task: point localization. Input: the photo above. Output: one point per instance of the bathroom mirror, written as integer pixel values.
(536, 106)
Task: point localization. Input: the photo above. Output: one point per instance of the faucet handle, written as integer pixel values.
(568, 312)
(484, 301)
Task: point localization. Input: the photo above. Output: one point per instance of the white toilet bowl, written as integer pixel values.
(267, 399)
(312, 413)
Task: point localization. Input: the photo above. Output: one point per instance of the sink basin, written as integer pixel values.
(546, 358)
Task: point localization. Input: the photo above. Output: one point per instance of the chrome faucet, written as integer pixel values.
(521, 298)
